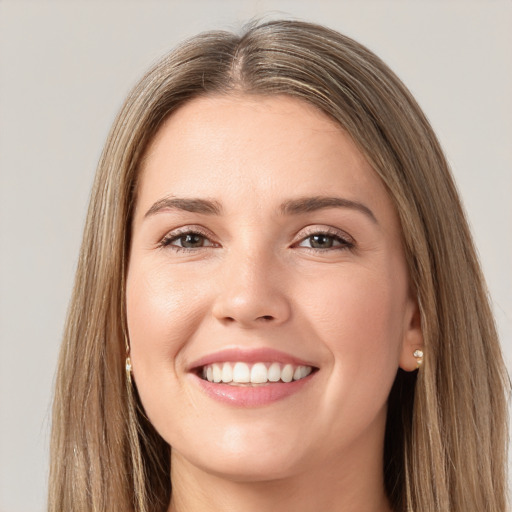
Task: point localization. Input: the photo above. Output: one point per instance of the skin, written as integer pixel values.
(257, 279)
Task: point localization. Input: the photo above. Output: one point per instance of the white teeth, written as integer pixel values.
(227, 372)
(258, 373)
(217, 373)
(287, 373)
(241, 373)
(274, 372)
(301, 372)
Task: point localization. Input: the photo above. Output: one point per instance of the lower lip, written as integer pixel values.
(252, 396)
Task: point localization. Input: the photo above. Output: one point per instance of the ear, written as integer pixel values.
(412, 344)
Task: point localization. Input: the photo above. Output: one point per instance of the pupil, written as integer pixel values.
(321, 241)
(192, 240)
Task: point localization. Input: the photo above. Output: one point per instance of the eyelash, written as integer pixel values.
(345, 242)
(167, 241)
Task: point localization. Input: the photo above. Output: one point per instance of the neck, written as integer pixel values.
(355, 486)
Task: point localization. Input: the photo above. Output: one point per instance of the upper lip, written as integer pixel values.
(258, 355)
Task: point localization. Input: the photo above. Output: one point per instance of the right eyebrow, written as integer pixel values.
(195, 205)
(303, 205)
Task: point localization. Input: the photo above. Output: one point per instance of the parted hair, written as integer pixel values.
(446, 432)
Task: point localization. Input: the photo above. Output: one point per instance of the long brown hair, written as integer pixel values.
(446, 435)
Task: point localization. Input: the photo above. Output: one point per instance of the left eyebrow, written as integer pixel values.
(310, 204)
(195, 205)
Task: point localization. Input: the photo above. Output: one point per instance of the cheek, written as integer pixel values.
(363, 312)
(360, 321)
(159, 323)
(161, 314)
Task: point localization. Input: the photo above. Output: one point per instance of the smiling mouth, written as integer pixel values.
(244, 374)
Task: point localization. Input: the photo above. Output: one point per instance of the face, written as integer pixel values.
(268, 299)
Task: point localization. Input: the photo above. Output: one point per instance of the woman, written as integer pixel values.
(278, 303)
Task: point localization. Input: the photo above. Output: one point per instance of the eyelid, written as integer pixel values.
(309, 231)
(318, 229)
(302, 235)
(166, 240)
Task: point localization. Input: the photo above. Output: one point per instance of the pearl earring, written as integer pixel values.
(418, 354)
(128, 369)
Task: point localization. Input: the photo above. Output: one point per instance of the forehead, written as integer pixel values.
(252, 146)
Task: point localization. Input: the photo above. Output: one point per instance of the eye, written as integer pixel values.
(186, 240)
(326, 241)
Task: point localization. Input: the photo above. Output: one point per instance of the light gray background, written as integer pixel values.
(64, 69)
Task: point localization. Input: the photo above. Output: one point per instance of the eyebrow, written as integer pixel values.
(297, 206)
(204, 206)
(310, 204)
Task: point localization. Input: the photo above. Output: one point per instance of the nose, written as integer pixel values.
(252, 292)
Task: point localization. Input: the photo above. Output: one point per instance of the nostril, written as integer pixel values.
(266, 317)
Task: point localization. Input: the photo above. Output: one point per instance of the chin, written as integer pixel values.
(249, 467)
(242, 456)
